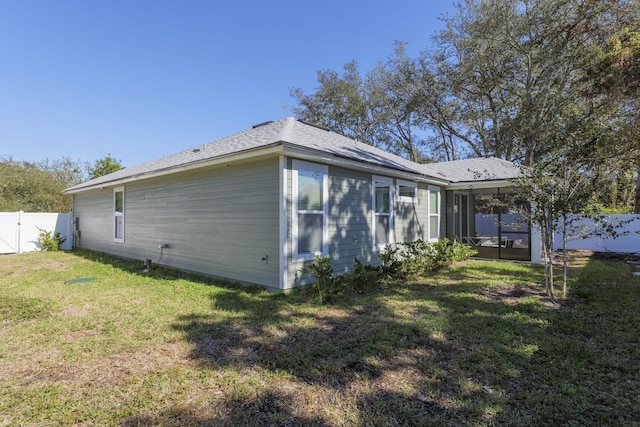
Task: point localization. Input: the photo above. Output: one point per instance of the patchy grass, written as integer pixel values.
(477, 344)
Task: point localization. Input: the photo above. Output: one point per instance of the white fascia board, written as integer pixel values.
(328, 158)
(470, 185)
(247, 155)
(279, 148)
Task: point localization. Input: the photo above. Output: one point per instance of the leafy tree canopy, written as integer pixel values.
(104, 166)
(520, 80)
(36, 187)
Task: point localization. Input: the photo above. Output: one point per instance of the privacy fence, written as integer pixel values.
(629, 243)
(19, 231)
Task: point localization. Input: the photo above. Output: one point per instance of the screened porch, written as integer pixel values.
(491, 221)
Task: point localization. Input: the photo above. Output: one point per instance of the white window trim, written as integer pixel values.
(300, 164)
(390, 237)
(439, 205)
(405, 199)
(115, 214)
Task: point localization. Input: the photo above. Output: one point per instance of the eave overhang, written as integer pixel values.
(479, 185)
(271, 150)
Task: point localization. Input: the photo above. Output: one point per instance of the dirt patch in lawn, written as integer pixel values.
(513, 294)
(107, 371)
(18, 264)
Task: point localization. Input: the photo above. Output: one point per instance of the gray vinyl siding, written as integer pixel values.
(349, 223)
(219, 221)
(94, 209)
(411, 220)
(350, 213)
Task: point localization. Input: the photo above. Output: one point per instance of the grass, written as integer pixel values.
(475, 345)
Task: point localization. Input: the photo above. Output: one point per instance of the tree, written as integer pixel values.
(66, 170)
(341, 103)
(519, 89)
(557, 188)
(505, 78)
(380, 108)
(615, 71)
(394, 100)
(104, 166)
(36, 187)
(511, 69)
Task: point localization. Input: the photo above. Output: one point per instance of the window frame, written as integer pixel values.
(117, 214)
(410, 184)
(438, 192)
(388, 182)
(298, 165)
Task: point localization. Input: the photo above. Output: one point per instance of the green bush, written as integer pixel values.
(390, 262)
(417, 258)
(322, 270)
(460, 252)
(50, 241)
(361, 278)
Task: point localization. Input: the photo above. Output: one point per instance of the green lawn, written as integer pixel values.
(477, 344)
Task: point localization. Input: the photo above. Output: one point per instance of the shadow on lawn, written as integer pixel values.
(420, 354)
(399, 362)
(409, 355)
(160, 272)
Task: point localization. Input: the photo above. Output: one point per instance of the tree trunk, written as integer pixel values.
(636, 209)
(564, 256)
(547, 254)
(550, 254)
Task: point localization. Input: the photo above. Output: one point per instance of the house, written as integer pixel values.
(255, 206)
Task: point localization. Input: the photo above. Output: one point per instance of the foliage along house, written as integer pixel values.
(255, 206)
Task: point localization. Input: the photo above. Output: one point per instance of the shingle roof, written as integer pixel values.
(469, 170)
(306, 136)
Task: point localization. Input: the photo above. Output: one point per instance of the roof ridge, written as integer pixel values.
(287, 128)
(268, 123)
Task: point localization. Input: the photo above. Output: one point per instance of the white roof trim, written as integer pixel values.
(252, 154)
(279, 148)
(480, 184)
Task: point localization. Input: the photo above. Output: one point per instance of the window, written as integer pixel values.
(310, 206)
(382, 212)
(407, 191)
(434, 213)
(118, 214)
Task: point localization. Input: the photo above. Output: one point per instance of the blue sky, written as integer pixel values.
(140, 79)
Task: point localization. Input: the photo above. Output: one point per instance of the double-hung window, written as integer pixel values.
(310, 209)
(434, 213)
(118, 214)
(382, 211)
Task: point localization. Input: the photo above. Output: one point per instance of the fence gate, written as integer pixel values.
(19, 231)
(9, 232)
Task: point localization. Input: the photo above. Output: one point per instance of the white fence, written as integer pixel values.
(19, 230)
(629, 243)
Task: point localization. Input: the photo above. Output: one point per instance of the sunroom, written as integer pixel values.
(492, 221)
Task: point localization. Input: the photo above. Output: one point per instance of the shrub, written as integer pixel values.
(362, 277)
(391, 262)
(416, 258)
(419, 258)
(441, 254)
(460, 252)
(326, 285)
(322, 270)
(50, 241)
